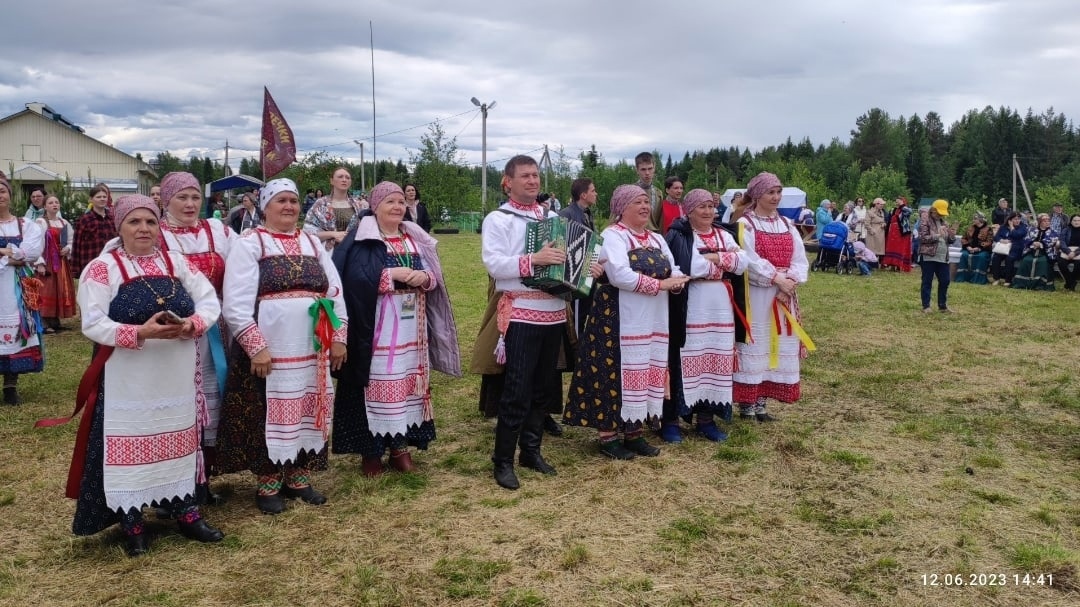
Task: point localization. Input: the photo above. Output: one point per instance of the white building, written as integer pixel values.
(39, 147)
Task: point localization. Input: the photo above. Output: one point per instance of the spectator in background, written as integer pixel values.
(1001, 214)
(645, 165)
(556, 205)
(53, 268)
(309, 199)
(331, 217)
(1003, 266)
(36, 209)
(1036, 268)
(975, 257)
(875, 227)
(864, 258)
(417, 211)
(672, 209)
(824, 217)
(1069, 253)
(721, 208)
(92, 230)
(898, 246)
(155, 195)
(934, 237)
(21, 243)
(858, 225)
(1058, 219)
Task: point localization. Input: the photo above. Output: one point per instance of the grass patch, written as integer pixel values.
(469, 577)
(993, 497)
(853, 460)
(575, 556)
(522, 597)
(1053, 559)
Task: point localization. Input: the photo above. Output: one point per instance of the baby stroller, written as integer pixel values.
(834, 251)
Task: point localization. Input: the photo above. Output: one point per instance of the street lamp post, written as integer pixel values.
(484, 107)
(361, 144)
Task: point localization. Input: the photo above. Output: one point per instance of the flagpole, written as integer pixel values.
(374, 162)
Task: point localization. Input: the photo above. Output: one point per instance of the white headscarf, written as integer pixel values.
(273, 188)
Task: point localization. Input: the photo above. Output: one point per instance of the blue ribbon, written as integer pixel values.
(217, 354)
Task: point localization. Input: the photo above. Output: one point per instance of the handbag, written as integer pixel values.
(1001, 247)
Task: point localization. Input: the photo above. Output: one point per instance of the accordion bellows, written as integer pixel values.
(582, 246)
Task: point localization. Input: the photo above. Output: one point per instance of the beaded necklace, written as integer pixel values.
(161, 299)
(297, 268)
(403, 256)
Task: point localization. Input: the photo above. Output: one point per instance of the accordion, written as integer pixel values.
(582, 247)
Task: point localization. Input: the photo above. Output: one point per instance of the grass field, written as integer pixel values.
(925, 447)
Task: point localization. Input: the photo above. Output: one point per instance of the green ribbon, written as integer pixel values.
(322, 304)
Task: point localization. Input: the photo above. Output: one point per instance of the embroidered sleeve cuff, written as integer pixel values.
(341, 334)
(525, 266)
(716, 272)
(647, 285)
(251, 340)
(386, 284)
(200, 325)
(127, 336)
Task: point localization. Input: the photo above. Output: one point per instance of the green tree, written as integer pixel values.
(442, 175)
(1047, 195)
(918, 158)
(880, 181)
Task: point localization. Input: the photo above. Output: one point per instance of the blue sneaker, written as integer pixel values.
(670, 433)
(710, 431)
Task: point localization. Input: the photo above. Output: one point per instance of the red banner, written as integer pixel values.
(278, 146)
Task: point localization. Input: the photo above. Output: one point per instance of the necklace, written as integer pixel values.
(403, 256)
(196, 229)
(161, 299)
(296, 269)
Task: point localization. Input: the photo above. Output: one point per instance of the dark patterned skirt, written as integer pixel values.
(350, 433)
(241, 442)
(595, 397)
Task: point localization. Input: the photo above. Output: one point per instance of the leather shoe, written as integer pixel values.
(138, 544)
(710, 431)
(372, 466)
(535, 461)
(505, 477)
(402, 461)
(669, 432)
(615, 450)
(552, 427)
(641, 447)
(200, 531)
(270, 504)
(765, 417)
(308, 494)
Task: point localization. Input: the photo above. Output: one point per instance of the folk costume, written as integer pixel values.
(282, 292)
(1035, 270)
(397, 335)
(621, 375)
(204, 246)
(325, 217)
(529, 326)
(138, 441)
(769, 364)
(702, 320)
(57, 285)
(898, 238)
(20, 322)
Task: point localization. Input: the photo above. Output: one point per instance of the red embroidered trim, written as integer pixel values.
(647, 285)
(200, 324)
(290, 411)
(127, 336)
(139, 450)
(392, 391)
(785, 393)
(643, 379)
(386, 284)
(538, 317)
(341, 334)
(98, 272)
(251, 340)
(709, 362)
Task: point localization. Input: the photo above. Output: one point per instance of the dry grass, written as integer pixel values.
(861, 489)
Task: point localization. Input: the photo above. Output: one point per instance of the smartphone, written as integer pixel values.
(170, 318)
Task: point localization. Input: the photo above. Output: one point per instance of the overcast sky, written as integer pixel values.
(627, 76)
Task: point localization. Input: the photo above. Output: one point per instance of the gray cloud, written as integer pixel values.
(624, 76)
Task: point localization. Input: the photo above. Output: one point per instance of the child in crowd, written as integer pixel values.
(865, 258)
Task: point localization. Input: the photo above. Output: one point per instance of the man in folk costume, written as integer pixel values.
(530, 324)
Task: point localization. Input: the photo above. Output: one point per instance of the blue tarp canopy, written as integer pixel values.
(233, 182)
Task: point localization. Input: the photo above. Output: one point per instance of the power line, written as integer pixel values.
(351, 141)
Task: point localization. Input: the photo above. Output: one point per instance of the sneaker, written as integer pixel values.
(927, 311)
(670, 433)
(711, 432)
(946, 310)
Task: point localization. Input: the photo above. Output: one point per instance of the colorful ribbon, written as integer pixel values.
(324, 322)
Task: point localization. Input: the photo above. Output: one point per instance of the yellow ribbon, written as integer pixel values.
(774, 337)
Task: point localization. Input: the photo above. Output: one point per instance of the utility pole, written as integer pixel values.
(362, 170)
(484, 107)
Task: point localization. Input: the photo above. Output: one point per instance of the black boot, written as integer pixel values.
(552, 427)
(205, 497)
(200, 531)
(503, 457)
(11, 396)
(532, 435)
(138, 544)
